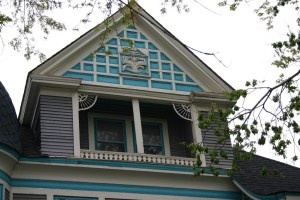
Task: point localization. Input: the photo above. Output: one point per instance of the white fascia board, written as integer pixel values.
(207, 98)
(197, 68)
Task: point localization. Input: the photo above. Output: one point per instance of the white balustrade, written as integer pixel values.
(135, 157)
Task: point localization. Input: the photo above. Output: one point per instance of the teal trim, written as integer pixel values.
(189, 79)
(131, 27)
(114, 70)
(110, 120)
(152, 46)
(167, 76)
(108, 79)
(101, 68)
(153, 55)
(132, 34)
(121, 34)
(89, 58)
(154, 65)
(11, 151)
(101, 58)
(113, 41)
(166, 66)
(88, 67)
(178, 77)
(113, 60)
(122, 188)
(143, 37)
(164, 57)
(84, 76)
(124, 43)
(74, 198)
(5, 177)
(113, 50)
(1, 191)
(101, 49)
(162, 85)
(187, 87)
(135, 82)
(139, 44)
(155, 74)
(176, 68)
(77, 66)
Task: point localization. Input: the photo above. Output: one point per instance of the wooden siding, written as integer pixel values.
(6, 195)
(179, 129)
(29, 197)
(56, 123)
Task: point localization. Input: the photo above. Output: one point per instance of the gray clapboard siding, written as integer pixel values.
(29, 196)
(56, 122)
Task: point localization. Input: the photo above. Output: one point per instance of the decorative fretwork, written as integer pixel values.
(86, 101)
(183, 110)
(134, 157)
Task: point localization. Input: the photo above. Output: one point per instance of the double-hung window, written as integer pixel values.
(153, 138)
(110, 135)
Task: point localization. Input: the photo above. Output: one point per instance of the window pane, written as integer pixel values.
(153, 150)
(110, 131)
(110, 147)
(151, 134)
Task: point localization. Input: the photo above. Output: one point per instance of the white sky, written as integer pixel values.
(240, 38)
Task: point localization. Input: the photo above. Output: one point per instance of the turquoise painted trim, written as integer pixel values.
(155, 74)
(88, 58)
(108, 79)
(178, 77)
(166, 66)
(110, 120)
(113, 41)
(122, 188)
(5, 177)
(266, 197)
(132, 34)
(77, 66)
(162, 85)
(139, 44)
(113, 70)
(101, 49)
(187, 87)
(176, 68)
(101, 68)
(189, 79)
(152, 46)
(154, 65)
(1, 191)
(113, 60)
(135, 82)
(153, 55)
(124, 43)
(101, 58)
(164, 57)
(131, 27)
(84, 76)
(11, 151)
(143, 37)
(121, 34)
(88, 67)
(167, 76)
(74, 198)
(113, 50)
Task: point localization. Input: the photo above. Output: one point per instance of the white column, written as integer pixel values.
(197, 135)
(138, 126)
(76, 133)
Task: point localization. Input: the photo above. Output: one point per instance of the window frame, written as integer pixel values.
(59, 197)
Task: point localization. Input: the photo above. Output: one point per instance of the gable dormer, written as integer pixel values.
(136, 92)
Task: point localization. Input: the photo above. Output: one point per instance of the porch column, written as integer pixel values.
(76, 134)
(138, 126)
(197, 135)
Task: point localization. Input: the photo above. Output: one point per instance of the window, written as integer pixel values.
(110, 135)
(153, 138)
(73, 198)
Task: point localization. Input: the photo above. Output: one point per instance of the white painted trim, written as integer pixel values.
(197, 135)
(76, 132)
(138, 126)
(244, 191)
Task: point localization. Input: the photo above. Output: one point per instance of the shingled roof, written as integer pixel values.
(8, 122)
(250, 178)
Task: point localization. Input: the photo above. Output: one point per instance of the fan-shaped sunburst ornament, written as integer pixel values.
(183, 110)
(86, 101)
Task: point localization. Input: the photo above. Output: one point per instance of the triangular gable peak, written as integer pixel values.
(156, 61)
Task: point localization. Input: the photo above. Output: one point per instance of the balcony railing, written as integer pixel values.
(135, 157)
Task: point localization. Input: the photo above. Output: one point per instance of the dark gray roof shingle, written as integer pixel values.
(8, 122)
(250, 177)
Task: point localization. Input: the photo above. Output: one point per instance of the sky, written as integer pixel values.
(239, 39)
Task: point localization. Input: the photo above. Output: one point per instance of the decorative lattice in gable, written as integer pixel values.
(144, 66)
